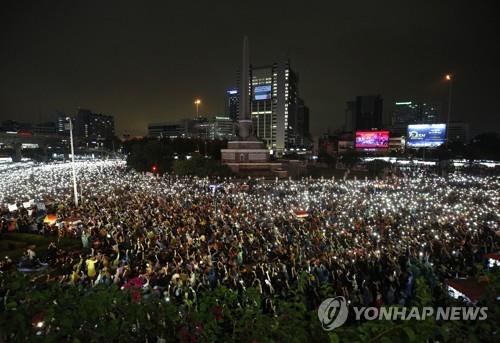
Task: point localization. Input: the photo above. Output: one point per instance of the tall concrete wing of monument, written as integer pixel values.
(245, 122)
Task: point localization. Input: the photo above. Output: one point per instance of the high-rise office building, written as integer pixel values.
(196, 127)
(411, 112)
(406, 112)
(165, 130)
(280, 118)
(94, 128)
(264, 106)
(62, 125)
(458, 132)
(46, 128)
(220, 128)
(431, 113)
(368, 112)
(231, 104)
(350, 116)
(298, 124)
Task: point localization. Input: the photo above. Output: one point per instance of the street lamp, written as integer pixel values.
(75, 191)
(197, 102)
(449, 79)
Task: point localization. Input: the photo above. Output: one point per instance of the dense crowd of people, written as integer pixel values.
(176, 236)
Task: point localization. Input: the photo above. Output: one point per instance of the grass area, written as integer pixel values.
(15, 244)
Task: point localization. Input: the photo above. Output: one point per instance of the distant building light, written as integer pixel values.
(232, 91)
(404, 103)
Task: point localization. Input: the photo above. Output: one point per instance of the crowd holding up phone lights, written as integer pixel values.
(175, 236)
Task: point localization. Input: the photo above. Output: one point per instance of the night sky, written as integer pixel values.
(146, 61)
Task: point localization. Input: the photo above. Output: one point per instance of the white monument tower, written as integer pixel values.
(245, 121)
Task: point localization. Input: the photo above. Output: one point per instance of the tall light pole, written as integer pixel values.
(75, 191)
(197, 102)
(449, 78)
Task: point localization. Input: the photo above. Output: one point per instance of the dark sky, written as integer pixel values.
(146, 61)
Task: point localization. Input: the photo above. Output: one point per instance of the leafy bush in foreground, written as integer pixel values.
(46, 311)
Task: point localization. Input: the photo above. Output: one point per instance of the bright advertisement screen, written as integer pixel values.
(426, 135)
(372, 139)
(262, 92)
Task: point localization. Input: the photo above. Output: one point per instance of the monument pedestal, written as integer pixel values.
(249, 158)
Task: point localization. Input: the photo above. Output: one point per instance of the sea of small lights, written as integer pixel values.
(415, 209)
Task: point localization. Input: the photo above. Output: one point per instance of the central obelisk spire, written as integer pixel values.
(245, 122)
(246, 153)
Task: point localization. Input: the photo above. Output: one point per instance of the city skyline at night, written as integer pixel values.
(147, 64)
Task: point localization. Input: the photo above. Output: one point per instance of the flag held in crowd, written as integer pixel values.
(301, 214)
(50, 219)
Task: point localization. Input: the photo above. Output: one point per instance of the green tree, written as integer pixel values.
(200, 166)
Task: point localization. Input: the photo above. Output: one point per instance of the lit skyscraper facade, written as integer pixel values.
(280, 118)
(263, 106)
(62, 124)
(220, 128)
(94, 128)
(405, 112)
(231, 104)
(411, 112)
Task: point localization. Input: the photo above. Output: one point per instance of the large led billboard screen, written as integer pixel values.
(426, 135)
(262, 92)
(372, 139)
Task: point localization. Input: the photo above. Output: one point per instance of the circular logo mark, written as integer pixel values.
(332, 313)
